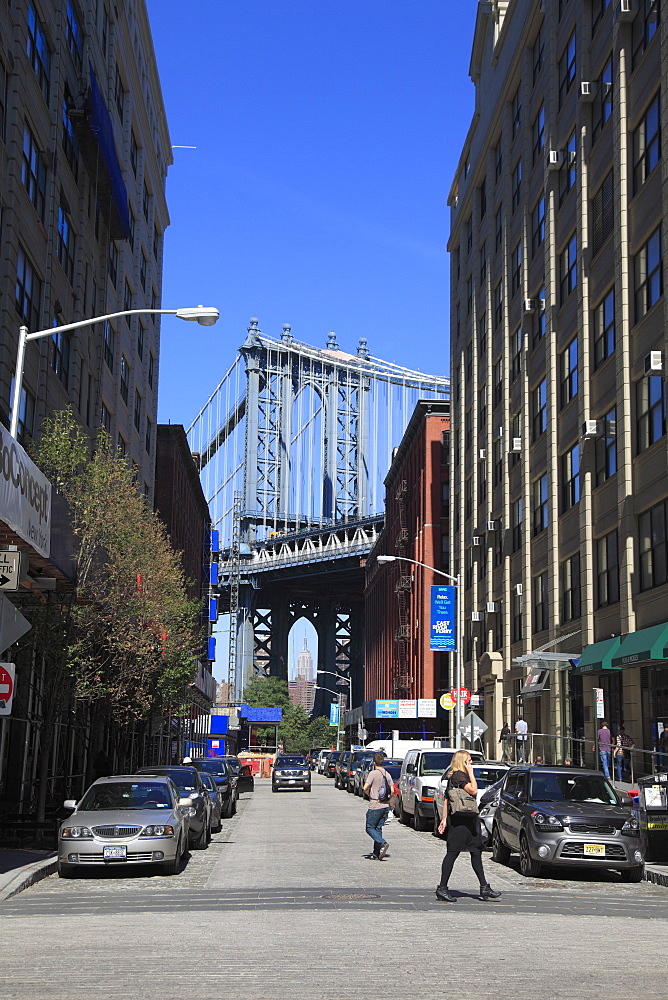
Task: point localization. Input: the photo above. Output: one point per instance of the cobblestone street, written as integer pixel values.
(315, 915)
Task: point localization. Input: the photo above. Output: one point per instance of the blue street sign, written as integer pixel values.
(333, 714)
(443, 631)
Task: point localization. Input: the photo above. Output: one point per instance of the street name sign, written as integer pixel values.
(10, 570)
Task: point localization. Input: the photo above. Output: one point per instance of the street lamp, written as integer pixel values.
(455, 580)
(204, 315)
(339, 695)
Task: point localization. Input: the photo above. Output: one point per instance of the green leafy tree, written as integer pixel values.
(321, 734)
(266, 692)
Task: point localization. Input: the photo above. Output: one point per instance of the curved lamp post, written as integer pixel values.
(337, 694)
(455, 581)
(204, 315)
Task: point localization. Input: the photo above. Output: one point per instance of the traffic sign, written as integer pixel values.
(472, 727)
(447, 702)
(7, 687)
(464, 695)
(10, 570)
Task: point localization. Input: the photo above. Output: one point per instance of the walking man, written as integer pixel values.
(378, 788)
(624, 745)
(521, 730)
(604, 739)
(505, 738)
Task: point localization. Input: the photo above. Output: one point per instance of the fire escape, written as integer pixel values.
(401, 680)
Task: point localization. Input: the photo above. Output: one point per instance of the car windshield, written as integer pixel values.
(291, 762)
(183, 777)
(126, 795)
(212, 766)
(436, 763)
(546, 787)
(393, 769)
(208, 781)
(234, 764)
(486, 776)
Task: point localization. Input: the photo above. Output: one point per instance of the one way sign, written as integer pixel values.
(10, 570)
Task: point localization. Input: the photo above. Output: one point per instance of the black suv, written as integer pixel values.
(291, 771)
(341, 769)
(565, 816)
(330, 764)
(190, 786)
(225, 778)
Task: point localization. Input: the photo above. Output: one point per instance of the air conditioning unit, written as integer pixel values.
(491, 525)
(590, 429)
(529, 305)
(481, 453)
(554, 159)
(654, 363)
(475, 541)
(477, 616)
(516, 445)
(626, 10)
(518, 589)
(491, 607)
(587, 91)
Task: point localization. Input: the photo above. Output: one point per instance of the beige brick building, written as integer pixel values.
(559, 487)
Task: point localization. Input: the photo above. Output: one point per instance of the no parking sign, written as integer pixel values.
(6, 688)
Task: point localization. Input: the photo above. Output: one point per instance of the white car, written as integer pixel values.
(417, 783)
(485, 775)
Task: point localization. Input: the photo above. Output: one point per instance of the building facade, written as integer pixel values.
(398, 661)
(558, 353)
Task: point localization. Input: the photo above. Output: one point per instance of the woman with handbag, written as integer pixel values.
(461, 824)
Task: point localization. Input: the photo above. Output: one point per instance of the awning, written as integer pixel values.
(646, 644)
(598, 656)
(535, 682)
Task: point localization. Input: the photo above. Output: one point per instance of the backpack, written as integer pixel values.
(385, 790)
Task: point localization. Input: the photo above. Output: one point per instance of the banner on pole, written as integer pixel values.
(443, 631)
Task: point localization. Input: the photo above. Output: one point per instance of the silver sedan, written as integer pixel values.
(125, 820)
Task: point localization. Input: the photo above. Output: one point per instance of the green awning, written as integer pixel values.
(646, 644)
(598, 656)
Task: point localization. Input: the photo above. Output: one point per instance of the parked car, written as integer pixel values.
(125, 820)
(222, 774)
(565, 816)
(391, 764)
(417, 784)
(190, 786)
(291, 771)
(323, 757)
(216, 801)
(358, 765)
(330, 763)
(486, 775)
(341, 769)
(313, 756)
(242, 772)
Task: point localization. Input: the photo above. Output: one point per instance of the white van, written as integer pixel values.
(399, 748)
(420, 774)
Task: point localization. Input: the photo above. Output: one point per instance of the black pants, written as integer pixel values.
(476, 865)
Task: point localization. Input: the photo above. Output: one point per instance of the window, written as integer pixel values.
(515, 432)
(516, 111)
(650, 411)
(134, 153)
(483, 266)
(540, 602)
(26, 422)
(112, 262)
(482, 412)
(142, 270)
(569, 372)
(105, 418)
(516, 269)
(133, 223)
(498, 305)
(516, 519)
(602, 104)
(104, 29)
(137, 414)
(645, 26)
(482, 337)
(148, 436)
(566, 69)
(497, 462)
(537, 225)
(498, 160)
(540, 504)
(38, 52)
(598, 9)
(74, 36)
(604, 328)
(469, 294)
(570, 478)
(119, 93)
(538, 133)
(570, 588)
(539, 410)
(65, 243)
(468, 498)
(68, 138)
(482, 193)
(125, 378)
(140, 341)
(539, 320)
(60, 353)
(517, 626)
(122, 446)
(469, 235)
(33, 172)
(3, 98)
(498, 548)
(156, 245)
(468, 355)
(649, 274)
(28, 291)
(482, 483)
(538, 53)
(517, 185)
(151, 369)
(647, 144)
(653, 546)
(127, 300)
(498, 382)
(568, 273)
(607, 570)
(606, 448)
(603, 213)
(146, 201)
(516, 345)
(468, 430)
(568, 172)
(109, 345)
(498, 228)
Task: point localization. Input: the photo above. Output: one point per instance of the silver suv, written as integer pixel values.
(565, 816)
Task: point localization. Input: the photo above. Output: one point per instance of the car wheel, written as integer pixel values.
(65, 870)
(274, 788)
(200, 843)
(234, 805)
(419, 822)
(500, 853)
(529, 867)
(404, 817)
(349, 789)
(172, 867)
(633, 874)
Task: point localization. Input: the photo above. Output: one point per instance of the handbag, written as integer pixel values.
(461, 802)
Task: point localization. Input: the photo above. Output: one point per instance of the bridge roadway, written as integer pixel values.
(283, 903)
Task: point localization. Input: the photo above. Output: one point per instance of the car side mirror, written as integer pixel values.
(185, 803)
(410, 769)
(245, 771)
(70, 804)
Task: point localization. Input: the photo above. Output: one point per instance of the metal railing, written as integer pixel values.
(550, 749)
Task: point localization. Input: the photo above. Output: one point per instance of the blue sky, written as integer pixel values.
(327, 134)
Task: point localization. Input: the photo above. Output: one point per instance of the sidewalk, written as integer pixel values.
(21, 868)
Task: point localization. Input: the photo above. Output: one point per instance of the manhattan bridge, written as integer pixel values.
(293, 446)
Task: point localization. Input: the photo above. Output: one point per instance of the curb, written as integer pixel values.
(658, 878)
(21, 878)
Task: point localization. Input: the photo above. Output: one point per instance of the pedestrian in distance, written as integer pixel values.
(604, 741)
(623, 745)
(462, 828)
(378, 789)
(539, 762)
(662, 758)
(505, 738)
(521, 730)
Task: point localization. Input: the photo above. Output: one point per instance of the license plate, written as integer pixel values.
(291, 781)
(115, 853)
(596, 849)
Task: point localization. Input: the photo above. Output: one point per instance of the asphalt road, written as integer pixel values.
(284, 900)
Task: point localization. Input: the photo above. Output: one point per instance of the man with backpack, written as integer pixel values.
(378, 789)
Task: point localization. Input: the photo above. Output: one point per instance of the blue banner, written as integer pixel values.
(443, 631)
(333, 714)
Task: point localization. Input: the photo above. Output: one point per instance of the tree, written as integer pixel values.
(321, 733)
(266, 692)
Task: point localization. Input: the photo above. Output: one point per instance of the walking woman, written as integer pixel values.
(462, 830)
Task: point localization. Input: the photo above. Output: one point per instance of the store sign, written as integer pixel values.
(447, 702)
(443, 630)
(426, 708)
(407, 708)
(387, 709)
(598, 701)
(25, 496)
